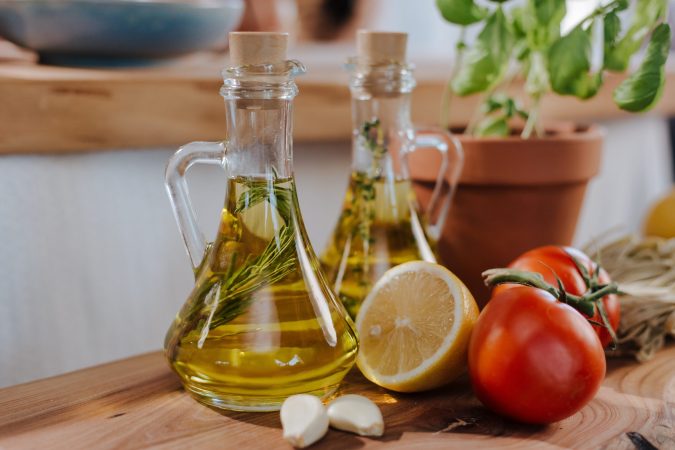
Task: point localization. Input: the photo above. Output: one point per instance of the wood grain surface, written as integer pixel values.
(138, 403)
(54, 109)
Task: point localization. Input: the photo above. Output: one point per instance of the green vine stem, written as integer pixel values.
(585, 304)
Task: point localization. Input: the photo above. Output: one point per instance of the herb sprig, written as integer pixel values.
(364, 198)
(362, 206)
(279, 197)
(232, 292)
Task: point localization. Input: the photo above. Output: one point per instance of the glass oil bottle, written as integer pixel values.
(262, 322)
(380, 224)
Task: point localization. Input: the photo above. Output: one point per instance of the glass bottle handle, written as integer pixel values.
(447, 178)
(177, 188)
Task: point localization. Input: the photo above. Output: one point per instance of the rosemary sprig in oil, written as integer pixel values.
(279, 197)
(363, 202)
(232, 292)
(372, 137)
(272, 265)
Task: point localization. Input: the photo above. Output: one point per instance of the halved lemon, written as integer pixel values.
(414, 328)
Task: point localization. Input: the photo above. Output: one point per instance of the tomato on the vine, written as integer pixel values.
(534, 358)
(551, 261)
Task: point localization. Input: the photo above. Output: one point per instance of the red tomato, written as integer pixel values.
(553, 260)
(533, 358)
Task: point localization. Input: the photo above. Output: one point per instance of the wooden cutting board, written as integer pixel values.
(138, 403)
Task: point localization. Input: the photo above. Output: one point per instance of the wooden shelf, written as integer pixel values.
(139, 403)
(52, 109)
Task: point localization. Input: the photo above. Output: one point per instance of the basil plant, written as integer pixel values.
(525, 39)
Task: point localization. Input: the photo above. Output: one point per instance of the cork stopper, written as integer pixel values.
(381, 46)
(252, 47)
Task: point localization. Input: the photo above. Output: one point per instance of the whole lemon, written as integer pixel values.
(660, 220)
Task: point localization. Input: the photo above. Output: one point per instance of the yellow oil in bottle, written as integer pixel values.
(252, 331)
(378, 228)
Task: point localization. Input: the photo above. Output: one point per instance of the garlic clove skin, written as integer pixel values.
(356, 414)
(304, 420)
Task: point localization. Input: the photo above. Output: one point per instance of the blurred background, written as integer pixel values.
(96, 95)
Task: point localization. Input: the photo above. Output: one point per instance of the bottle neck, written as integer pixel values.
(259, 116)
(259, 138)
(382, 127)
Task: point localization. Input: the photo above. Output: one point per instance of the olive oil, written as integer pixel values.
(261, 323)
(379, 227)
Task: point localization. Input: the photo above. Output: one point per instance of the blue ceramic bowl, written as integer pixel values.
(117, 29)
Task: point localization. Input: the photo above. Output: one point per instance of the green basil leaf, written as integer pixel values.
(519, 29)
(548, 11)
(586, 86)
(568, 58)
(493, 126)
(521, 50)
(612, 29)
(494, 103)
(643, 89)
(569, 63)
(487, 59)
(539, 21)
(461, 12)
(510, 108)
(621, 5)
(647, 15)
(519, 22)
(549, 15)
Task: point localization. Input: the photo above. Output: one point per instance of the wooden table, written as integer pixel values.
(139, 403)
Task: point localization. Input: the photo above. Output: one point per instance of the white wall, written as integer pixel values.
(636, 170)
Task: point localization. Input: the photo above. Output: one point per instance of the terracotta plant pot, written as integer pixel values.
(514, 194)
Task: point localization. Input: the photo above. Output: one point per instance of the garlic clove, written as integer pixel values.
(304, 420)
(357, 414)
